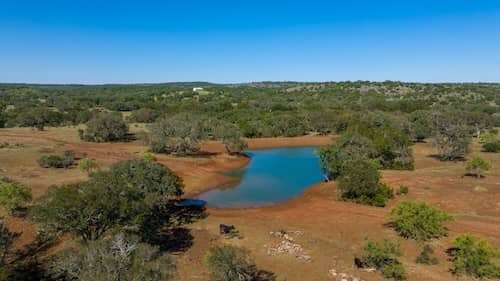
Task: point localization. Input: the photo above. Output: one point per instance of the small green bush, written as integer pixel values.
(474, 257)
(56, 161)
(14, 196)
(359, 182)
(419, 221)
(403, 190)
(149, 157)
(383, 255)
(478, 166)
(492, 147)
(488, 137)
(230, 263)
(88, 166)
(426, 257)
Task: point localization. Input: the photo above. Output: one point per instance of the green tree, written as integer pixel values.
(420, 124)
(450, 136)
(89, 166)
(478, 166)
(39, 118)
(349, 146)
(105, 127)
(383, 255)
(122, 196)
(419, 221)
(121, 258)
(359, 182)
(474, 257)
(179, 135)
(14, 196)
(149, 177)
(230, 263)
(229, 134)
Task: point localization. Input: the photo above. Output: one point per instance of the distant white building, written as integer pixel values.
(196, 89)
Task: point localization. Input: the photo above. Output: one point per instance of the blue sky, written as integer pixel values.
(76, 41)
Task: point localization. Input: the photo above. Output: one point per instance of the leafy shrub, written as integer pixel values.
(474, 257)
(55, 161)
(51, 161)
(359, 183)
(426, 257)
(487, 138)
(88, 166)
(120, 258)
(492, 147)
(144, 115)
(149, 157)
(178, 135)
(14, 196)
(122, 196)
(418, 220)
(403, 190)
(230, 263)
(105, 127)
(477, 166)
(383, 255)
(451, 135)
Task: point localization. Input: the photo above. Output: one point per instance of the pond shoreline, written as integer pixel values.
(235, 163)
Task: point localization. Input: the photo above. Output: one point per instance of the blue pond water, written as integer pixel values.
(272, 176)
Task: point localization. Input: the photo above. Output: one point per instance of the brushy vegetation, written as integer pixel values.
(477, 166)
(121, 258)
(383, 255)
(105, 127)
(360, 183)
(14, 196)
(230, 263)
(492, 147)
(419, 221)
(88, 166)
(266, 109)
(474, 257)
(403, 190)
(425, 257)
(55, 161)
(122, 196)
(377, 123)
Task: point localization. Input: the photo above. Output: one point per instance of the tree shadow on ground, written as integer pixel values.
(29, 270)
(24, 264)
(473, 175)
(437, 157)
(163, 227)
(263, 275)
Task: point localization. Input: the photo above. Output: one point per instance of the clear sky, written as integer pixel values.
(77, 41)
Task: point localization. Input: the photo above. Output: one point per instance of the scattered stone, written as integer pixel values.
(285, 247)
(332, 272)
(369, 269)
(480, 189)
(305, 258)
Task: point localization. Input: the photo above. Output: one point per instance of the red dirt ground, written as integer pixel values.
(333, 231)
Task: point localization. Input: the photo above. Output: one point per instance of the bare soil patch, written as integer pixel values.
(333, 231)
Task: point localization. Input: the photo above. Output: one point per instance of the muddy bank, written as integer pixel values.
(211, 173)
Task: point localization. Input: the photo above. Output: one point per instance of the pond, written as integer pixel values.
(272, 176)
